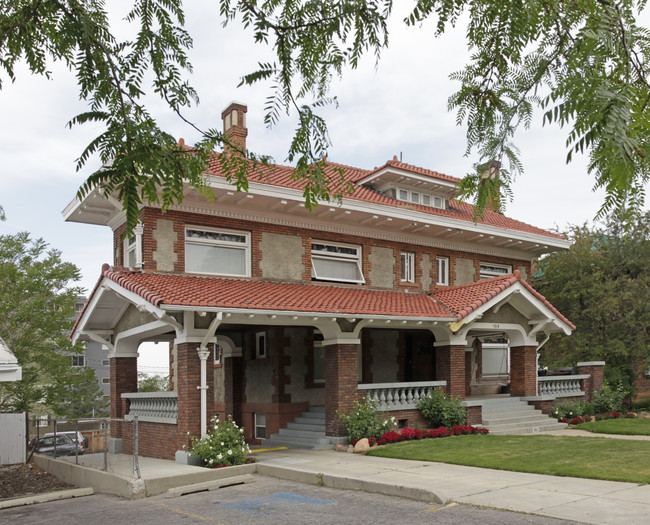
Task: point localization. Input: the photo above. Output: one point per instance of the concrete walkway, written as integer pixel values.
(577, 499)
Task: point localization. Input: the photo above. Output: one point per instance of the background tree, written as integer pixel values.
(582, 62)
(36, 313)
(602, 284)
(81, 400)
(154, 383)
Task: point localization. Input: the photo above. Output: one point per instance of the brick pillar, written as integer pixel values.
(523, 371)
(594, 382)
(341, 380)
(124, 379)
(280, 363)
(189, 396)
(468, 373)
(450, 367)
(233, 371)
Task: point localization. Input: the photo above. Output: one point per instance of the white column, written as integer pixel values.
(203, 355)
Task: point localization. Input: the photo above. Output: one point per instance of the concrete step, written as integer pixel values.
(309, 421)
(313, 434)
(540, 422)
(313, 415)
(527, 430)
(504, 420)
(317, 409)
(305, 426)
(277, 440)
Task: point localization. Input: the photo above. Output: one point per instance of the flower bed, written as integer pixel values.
(409, 434)
(598, 417)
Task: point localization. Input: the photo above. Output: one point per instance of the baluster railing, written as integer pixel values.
(398, 396)
(561, 386)
(153, 407)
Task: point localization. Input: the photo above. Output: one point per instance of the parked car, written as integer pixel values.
(74, 436)
(61, 445)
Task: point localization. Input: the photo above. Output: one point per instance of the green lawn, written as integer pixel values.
(628, 427)
(582, 457)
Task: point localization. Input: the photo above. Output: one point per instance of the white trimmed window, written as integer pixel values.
(408, 267)
(260, 426)
(260, 345)
(78, 360)
(494, 270)
(219, 252)
(336, 262)
(133, 248)
(442, 271)
(417, 197)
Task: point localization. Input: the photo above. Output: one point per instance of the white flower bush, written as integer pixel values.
(223, 445)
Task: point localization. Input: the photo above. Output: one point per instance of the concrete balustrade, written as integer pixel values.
(399, 396)
(153, 407)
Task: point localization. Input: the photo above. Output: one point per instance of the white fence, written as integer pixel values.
(399, 396)
(561, 386)
(13, 443)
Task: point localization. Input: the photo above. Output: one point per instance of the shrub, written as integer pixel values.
(642, 404)
(364, 421)
(441, 410)
(571, 409)
(223, 445)
(609, 399)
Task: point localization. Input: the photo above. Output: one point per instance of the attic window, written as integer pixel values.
(133, 248)
(494, 270)
(336, 262)
(417, 197)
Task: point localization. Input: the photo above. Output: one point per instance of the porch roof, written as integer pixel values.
(184, 291)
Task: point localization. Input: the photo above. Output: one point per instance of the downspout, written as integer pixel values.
(203, 356)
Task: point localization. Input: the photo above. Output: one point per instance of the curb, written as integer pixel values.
(351, 483)
(44, 498)
(209, 485)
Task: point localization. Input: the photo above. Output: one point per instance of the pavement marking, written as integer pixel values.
(255, 450)
(436, 509)
(189, 514)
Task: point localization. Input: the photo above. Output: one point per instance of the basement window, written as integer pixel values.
(260, 426)
(336, 262)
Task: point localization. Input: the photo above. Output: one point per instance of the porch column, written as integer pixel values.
(233, 372)
(523, 371)
(124, 379)
(594, 382)
(189, 396)
(341, 380)
(450, 367)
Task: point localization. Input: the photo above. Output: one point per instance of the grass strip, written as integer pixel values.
(581, 457)
(622, 426)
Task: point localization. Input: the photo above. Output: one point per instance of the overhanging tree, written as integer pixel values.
(602, 284)
(582, 63)
(37, 300)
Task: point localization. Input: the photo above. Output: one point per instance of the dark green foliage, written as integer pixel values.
(581, 63)
(36, 314)
(441, 410)
(601, 284)
(571, 409)
(641, 404)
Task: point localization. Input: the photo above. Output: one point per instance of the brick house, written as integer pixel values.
(270, 309)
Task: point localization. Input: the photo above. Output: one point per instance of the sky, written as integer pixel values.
(396, 107)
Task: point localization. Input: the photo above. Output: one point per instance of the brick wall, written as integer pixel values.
(277, 417)
(181, 219)
(642, 384)
(280, 361)
(523, 371)
(450, 367)
(189, 397)
(155, 440)
(233, 372)
(546, 406)
(475, 415)
(414, 418)
(341, 379)
(124, 379)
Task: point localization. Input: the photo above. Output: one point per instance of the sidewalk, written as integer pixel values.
(581, 500)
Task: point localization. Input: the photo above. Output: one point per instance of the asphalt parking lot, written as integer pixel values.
(268, 501)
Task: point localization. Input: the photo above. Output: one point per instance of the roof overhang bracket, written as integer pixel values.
(539, 326)
(96, 337)
(214, 324)
(505, 300)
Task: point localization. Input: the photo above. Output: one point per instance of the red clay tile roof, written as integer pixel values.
(464, 299)
(276, 175)
(199, 291)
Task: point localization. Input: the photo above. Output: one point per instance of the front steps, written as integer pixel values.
(512, 415)
(306, 432)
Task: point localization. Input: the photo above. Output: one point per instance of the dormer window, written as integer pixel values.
(494, 270)
(417, 197)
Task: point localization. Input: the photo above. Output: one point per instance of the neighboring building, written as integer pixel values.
(10, 370)
(95, 356)
(391, 292)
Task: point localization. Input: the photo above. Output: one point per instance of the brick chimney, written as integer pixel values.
(234, 124)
